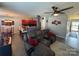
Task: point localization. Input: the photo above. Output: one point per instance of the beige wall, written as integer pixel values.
(73, 17)
(17, 20)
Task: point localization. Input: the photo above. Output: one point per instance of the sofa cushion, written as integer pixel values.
(50, 34)
(46, 42)
(33, 41)
(42, 50)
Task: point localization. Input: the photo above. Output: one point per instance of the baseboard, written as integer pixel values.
(60, 37)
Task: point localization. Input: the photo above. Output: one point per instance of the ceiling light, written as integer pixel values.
(56, 14)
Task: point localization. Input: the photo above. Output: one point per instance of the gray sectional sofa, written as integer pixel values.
(42, 49)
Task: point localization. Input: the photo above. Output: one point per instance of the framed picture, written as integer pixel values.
(7, 22)
(56, 22)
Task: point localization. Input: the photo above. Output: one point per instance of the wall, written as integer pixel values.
(73, 17)
(15, 17)
(16, 21)
(61, 29)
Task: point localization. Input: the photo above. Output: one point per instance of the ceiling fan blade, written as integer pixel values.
(48, 12)
(66, 8)
(52, 14)
(62, 13)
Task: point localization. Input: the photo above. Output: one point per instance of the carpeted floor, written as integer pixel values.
(61, 49)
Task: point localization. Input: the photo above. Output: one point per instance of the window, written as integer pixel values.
(75, 26)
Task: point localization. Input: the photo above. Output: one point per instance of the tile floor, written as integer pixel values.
(59, 47)
(18, 46)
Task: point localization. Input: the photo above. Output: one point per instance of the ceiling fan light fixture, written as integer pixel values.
(56, 14)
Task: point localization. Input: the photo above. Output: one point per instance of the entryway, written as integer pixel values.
(72, 38)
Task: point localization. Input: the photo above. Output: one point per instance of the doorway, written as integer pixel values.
(72, 37)
(75, 26)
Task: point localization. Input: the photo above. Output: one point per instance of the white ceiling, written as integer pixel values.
(34, 8)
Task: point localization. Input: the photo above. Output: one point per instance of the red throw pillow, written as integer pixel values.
(32, 41)
(50, 34)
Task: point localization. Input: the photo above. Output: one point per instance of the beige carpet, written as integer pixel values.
(61, 49)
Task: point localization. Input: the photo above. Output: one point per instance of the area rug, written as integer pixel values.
(62, 49)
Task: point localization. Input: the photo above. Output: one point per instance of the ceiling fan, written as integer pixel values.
(56, 10)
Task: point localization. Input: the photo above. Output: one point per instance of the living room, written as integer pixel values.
(39, 28)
